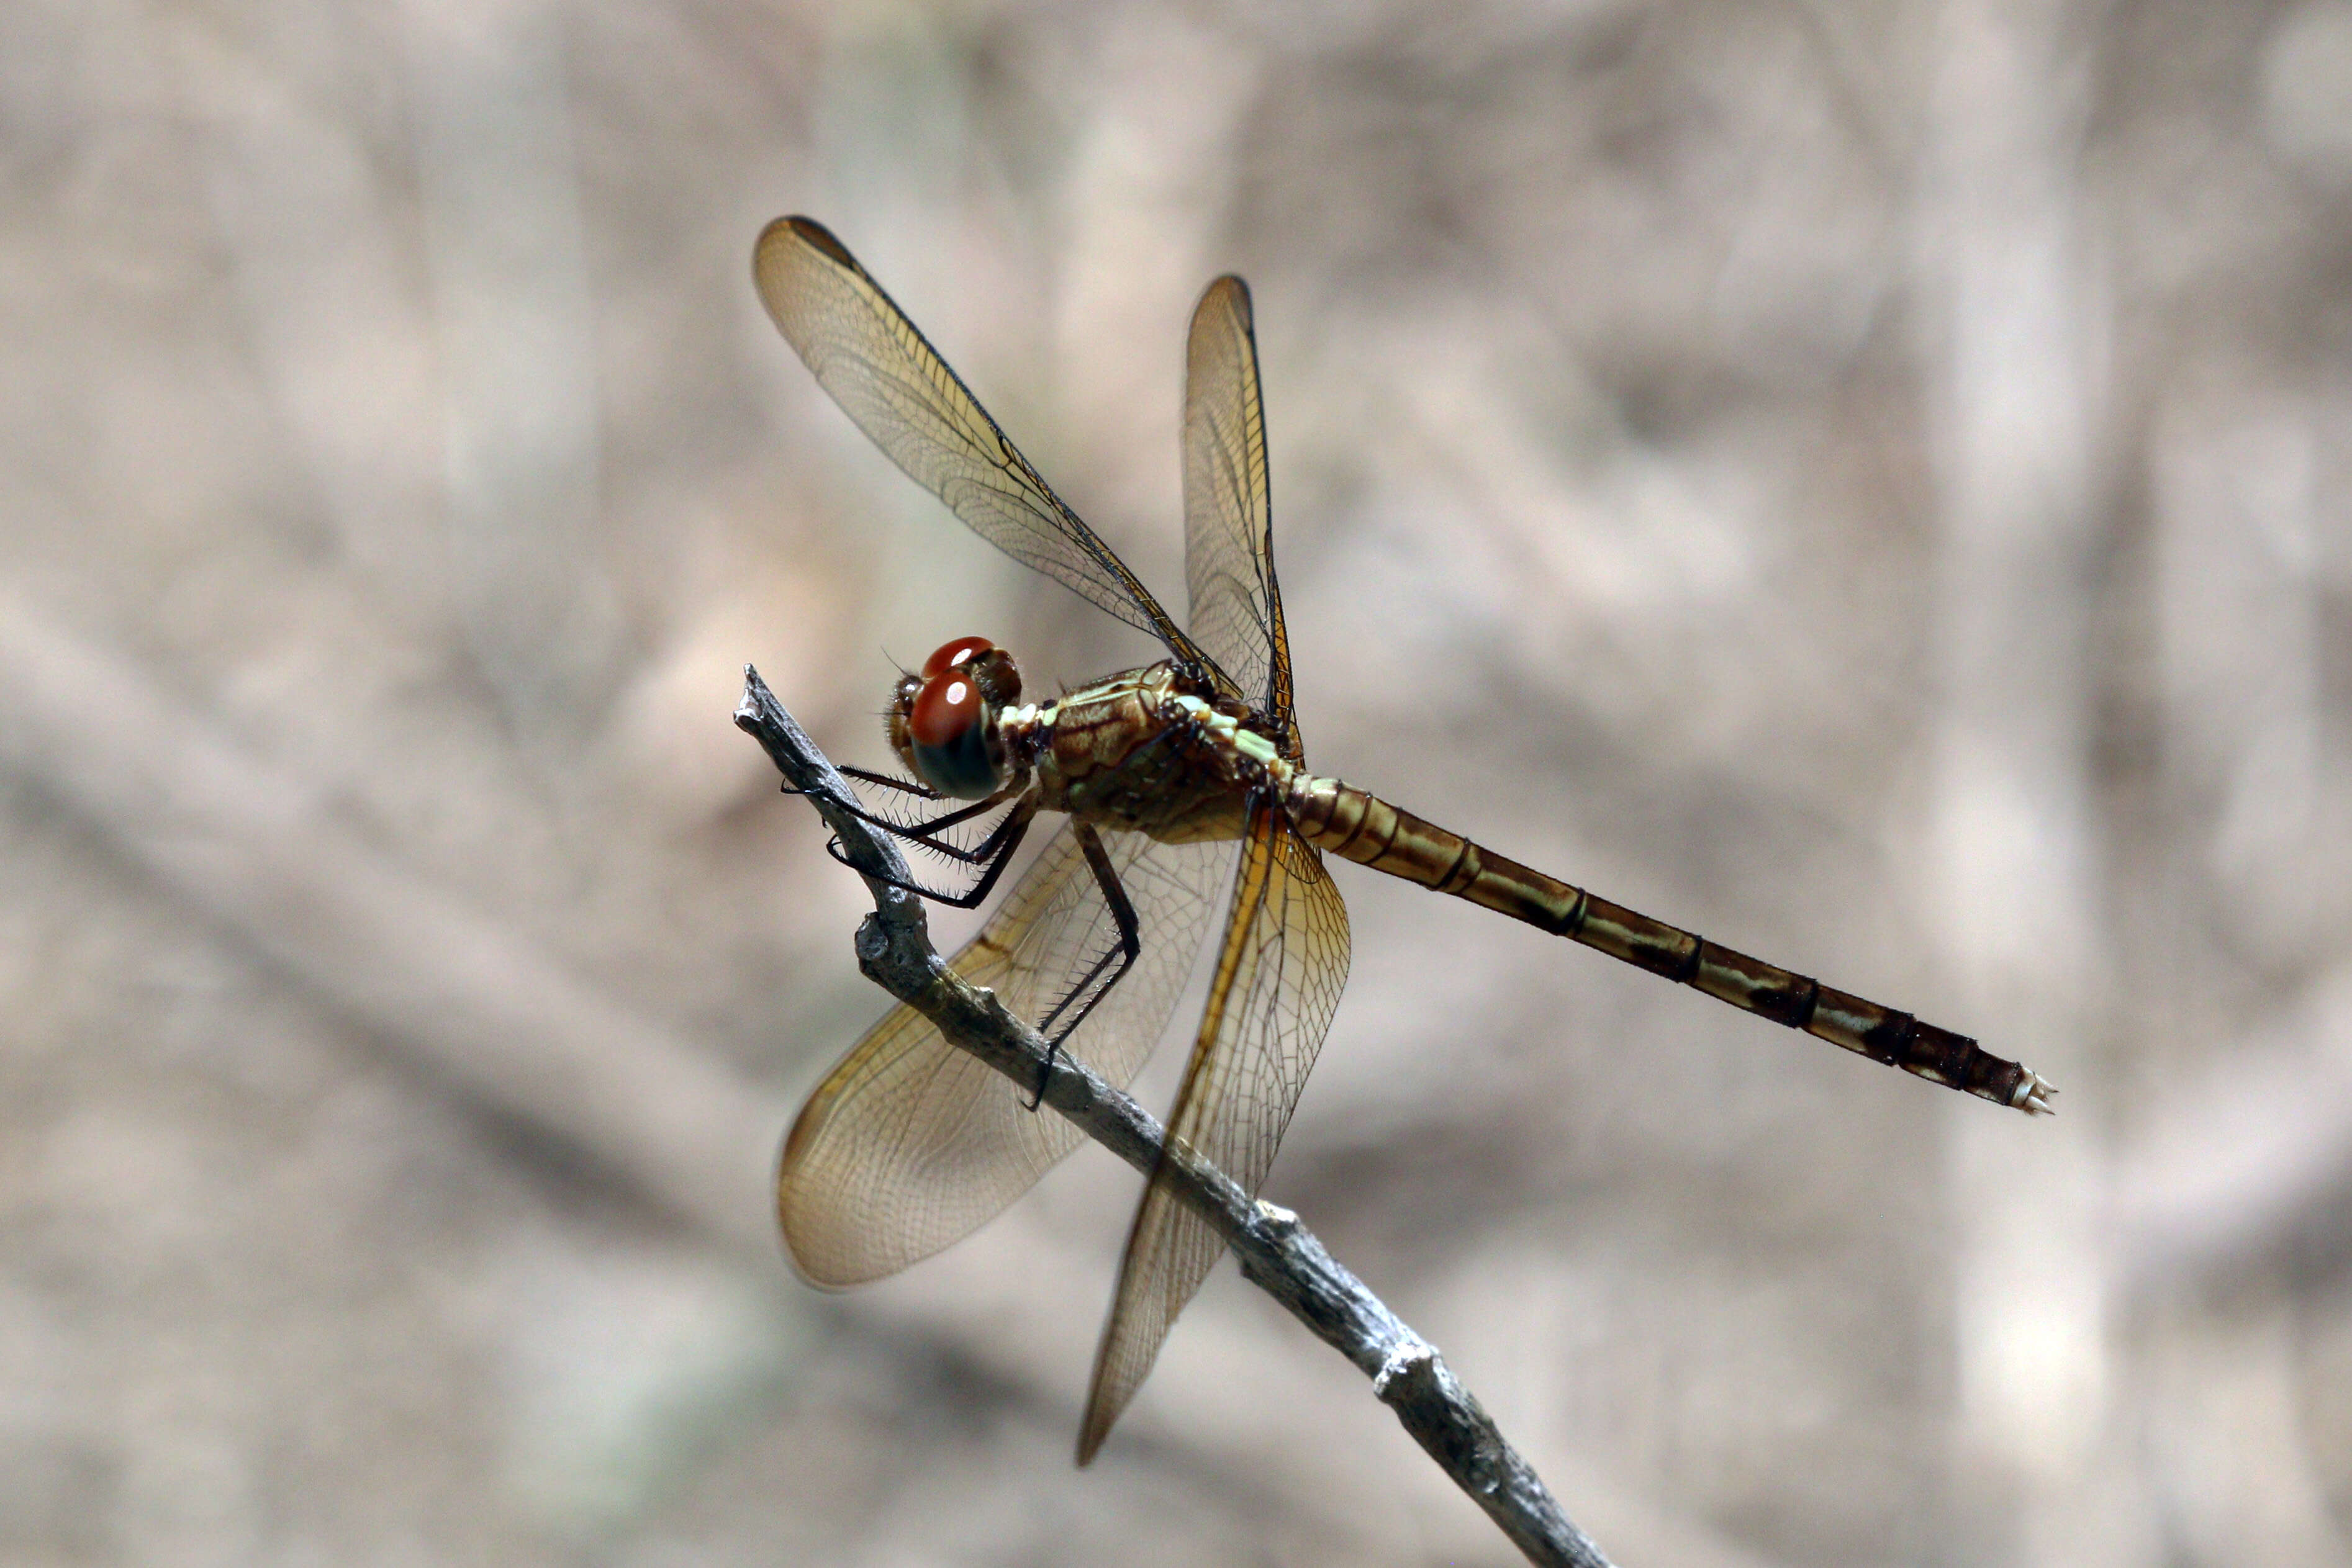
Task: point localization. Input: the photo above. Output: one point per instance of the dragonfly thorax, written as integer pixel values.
(943, 721)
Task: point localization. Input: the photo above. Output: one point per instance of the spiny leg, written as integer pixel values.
(920, 832)
(995, 851)
(887, 781)
(916, 832)
(1129, 946)
(892, 781)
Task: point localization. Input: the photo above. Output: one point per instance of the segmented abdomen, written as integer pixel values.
(1363, 828)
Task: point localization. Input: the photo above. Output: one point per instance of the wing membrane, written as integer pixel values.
(895, 386)
(909, 1143)
(1237, 605)
(1280, 972)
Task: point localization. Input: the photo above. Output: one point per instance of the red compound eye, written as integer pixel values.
(946, 709)
(947, 655)
(947, 740)
(947, 722)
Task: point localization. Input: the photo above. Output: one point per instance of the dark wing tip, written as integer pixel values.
(810, 233)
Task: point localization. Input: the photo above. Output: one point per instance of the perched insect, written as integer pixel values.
(908, 1143)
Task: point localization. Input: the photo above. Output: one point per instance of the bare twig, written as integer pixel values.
(1277, 1253)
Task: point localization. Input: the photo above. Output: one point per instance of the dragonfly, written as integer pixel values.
(1158, 773)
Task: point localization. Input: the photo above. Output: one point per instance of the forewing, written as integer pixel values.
(909, 1143)
(1236, 604)
(1280, 972)
(893, 384)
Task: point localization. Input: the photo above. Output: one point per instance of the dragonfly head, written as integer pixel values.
(943, 721)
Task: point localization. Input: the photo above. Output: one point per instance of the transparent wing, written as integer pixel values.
(909, 1143)
(1236, 610)
(1278, 977)
(893, 384)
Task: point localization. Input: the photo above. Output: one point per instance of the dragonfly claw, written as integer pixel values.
(1045, 1076)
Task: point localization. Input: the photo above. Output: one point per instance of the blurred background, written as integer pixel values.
(1870, 482)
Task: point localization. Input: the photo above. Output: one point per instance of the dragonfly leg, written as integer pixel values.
(887, 781)
(892, 781)
(920, 832)
(1129, 946)
(995, 851)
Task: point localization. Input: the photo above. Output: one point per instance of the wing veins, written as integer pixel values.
(1279, 971)
(886, 375)
(1237, 602)
(909, 1143)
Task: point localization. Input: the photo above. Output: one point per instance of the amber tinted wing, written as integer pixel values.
(1236, 610)
(889, 379)
(1280, 972)
(909, 1143)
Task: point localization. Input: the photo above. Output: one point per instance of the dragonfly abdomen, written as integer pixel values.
(1356, 825)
